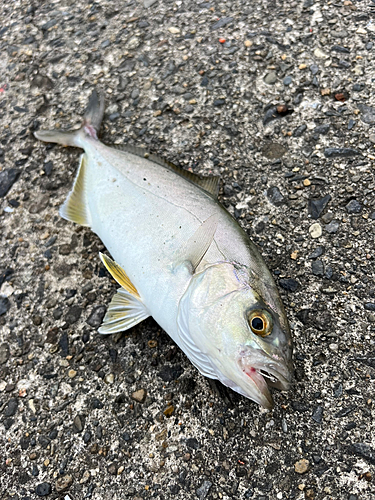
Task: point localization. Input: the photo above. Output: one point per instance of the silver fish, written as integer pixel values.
(181, 258)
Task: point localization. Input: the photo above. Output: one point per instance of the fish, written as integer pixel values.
(180, 257)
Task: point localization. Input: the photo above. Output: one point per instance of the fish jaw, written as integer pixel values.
(258, 390)
(252, 373)
(274, 373)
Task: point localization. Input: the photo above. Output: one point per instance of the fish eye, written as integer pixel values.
(260, 323)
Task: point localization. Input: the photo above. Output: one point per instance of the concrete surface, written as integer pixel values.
(276, 97)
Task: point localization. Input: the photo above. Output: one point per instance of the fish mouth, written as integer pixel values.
(265, 374)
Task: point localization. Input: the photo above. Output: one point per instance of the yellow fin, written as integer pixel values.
(119, 274)
(75, 208)
(124, 311)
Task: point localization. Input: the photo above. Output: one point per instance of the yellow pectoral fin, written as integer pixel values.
(119, 275)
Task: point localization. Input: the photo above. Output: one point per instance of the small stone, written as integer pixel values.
(218, 102)
(351, 124)
(4, 353)
(317, 415)
(109, 378)
(332, 227)
(273, 150)
(316, 206)
(270, 78)
(203, 490)
(133, 43)
(338, 48)
(287, 80)
(315, 230)
(317, 268)
(192, 443)
(174, 30)
(340, 152)
(4, 305)
(314, 69)
(78, 424)
(301, 466)
(96, 317)
(275, 196)
(326, 91)
(43, 489)
(320, 54)
(322, 129)
(289, 284)
(63, 483)
(307, 183)
(169, 411)
(367, 115)
(112, 469)
(353, 207)
(344, 412)
(248, 43)
(299, 130)
(139, 395)
(317, 252)
(73, 314)
(302, 66)
(221, 23)
(72, 373)
(369, 306)
(11, 408)
(7, 178)
(363, 450)
(327, 218)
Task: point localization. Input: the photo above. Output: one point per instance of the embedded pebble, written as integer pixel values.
(63, 483)
(301, 466)
(315, 230)
(139, 395)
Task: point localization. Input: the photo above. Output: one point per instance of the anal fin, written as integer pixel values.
(75, 208)
(124, 311)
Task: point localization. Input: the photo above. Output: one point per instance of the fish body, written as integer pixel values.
(181, 258)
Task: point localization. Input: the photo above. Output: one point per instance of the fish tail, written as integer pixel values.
(90, 127)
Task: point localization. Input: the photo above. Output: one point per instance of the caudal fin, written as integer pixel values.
(91, 124)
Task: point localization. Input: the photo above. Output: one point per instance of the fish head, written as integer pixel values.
(241, 326)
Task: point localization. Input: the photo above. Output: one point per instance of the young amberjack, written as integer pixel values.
(181, 258)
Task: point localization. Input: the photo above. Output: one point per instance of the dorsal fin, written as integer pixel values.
(210, 184)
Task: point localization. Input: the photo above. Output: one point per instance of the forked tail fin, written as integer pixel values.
(91, 124)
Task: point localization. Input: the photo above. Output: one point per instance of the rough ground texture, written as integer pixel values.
(277, 98)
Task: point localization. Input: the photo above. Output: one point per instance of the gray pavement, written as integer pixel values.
(278, 98)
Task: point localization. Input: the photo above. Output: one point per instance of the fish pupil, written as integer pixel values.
(257, 324)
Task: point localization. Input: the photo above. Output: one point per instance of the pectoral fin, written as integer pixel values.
(196, 247)
(126, 308)
(124, 311)
(119, 274)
